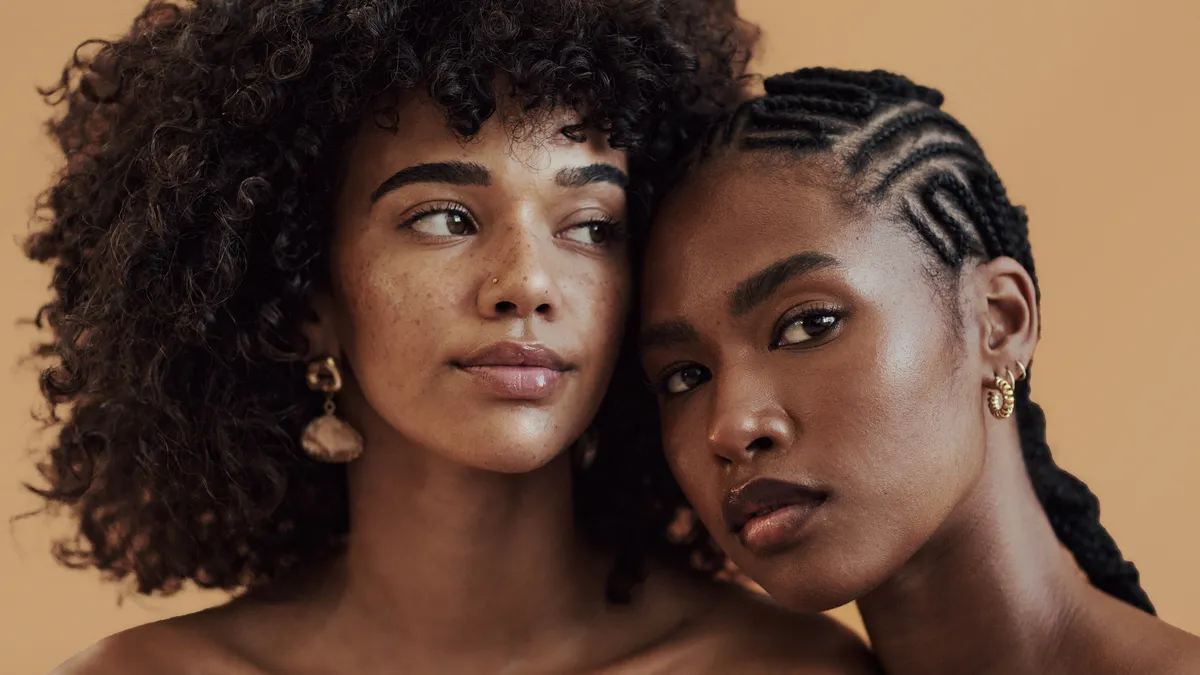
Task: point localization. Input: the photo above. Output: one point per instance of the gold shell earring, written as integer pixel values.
(329, 438)
(1002, 398)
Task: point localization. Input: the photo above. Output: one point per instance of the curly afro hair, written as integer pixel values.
(187, 233)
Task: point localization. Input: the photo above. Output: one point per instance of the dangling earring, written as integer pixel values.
(329, 438)
(1002, 399)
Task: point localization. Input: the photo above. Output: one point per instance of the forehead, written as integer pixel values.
(415, 130)
(741, 212)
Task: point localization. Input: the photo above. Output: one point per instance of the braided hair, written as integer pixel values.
(902, 152)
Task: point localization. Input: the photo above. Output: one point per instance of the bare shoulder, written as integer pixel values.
(177, 645)
(758, 636)
(1165, 649)
(137, 651)
(1117, 638)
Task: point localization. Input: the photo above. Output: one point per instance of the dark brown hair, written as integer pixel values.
(188, 228)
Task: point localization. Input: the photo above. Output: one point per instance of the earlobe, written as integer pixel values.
(1012, 326)
(319, 330)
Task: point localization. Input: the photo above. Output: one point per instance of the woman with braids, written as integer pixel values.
(840, 314)
(336, 287)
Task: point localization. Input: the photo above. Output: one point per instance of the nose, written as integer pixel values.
(747, 420)
(521, 283)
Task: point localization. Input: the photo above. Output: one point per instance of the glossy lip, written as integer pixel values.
(529, 354)
(768, 515)
(516, 370)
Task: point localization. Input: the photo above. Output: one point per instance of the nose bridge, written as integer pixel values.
(746, 415)
(519, 277)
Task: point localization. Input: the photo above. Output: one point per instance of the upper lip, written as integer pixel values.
(763, 495)
(528, 354)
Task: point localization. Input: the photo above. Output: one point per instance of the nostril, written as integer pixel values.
(543, 308)
(760, 443)
(505, 307)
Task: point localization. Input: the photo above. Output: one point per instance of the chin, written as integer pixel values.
(524, 458)
(810, 598)
(808, 585)
(513, 442)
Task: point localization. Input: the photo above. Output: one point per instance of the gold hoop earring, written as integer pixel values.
(1024, 373)
(1002, 399)
(329, 438)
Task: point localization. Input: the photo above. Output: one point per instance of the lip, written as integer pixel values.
(516, 370)
(769, 515)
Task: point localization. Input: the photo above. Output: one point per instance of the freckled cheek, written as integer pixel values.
(391, 306)
(603, 302)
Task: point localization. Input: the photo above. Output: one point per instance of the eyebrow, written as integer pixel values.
(453, 173)
(470, 173)
(760, 286)
(580, 176)
(747, 295)
(668, 334)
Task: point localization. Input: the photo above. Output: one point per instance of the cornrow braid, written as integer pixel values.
(900, 149)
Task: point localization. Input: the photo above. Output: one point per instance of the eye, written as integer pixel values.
(442, 221)
(685, 379)
(809, 326)
(594, 232)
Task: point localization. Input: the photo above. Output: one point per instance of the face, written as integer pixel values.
(816, 404)
(478, 288)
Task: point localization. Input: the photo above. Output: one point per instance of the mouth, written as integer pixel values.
(516, 370)
(769, 515)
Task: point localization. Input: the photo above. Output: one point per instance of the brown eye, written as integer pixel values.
(807, 327)
(685, 379)
(594, 233)
(442, 223)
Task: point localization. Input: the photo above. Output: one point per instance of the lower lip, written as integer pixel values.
(778, 530)
(517, 382)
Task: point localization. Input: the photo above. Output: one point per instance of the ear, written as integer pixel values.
(319, 330)
(1011, 326)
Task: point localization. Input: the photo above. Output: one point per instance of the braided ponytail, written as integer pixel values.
(1074, 512)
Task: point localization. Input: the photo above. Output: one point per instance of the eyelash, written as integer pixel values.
(659, 386)
(437, 207)
(807, 312)
(617, 226)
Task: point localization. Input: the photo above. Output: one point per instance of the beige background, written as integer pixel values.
(1089, 109)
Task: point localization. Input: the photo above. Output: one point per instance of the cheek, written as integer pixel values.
(694, 467)
(597, 297)
(903, 421)
(392, 307)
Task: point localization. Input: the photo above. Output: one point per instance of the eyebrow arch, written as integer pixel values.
(760, 286)
(453, 172)
(579, 176)
(668, 334)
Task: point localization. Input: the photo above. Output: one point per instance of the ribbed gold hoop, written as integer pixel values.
(1002, 399)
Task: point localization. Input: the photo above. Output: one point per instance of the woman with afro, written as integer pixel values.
(338, 289)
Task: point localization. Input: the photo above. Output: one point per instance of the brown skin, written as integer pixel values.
(463, 555)
(877, 401)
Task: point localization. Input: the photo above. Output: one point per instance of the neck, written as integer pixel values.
(993, 592)
(445, 563)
